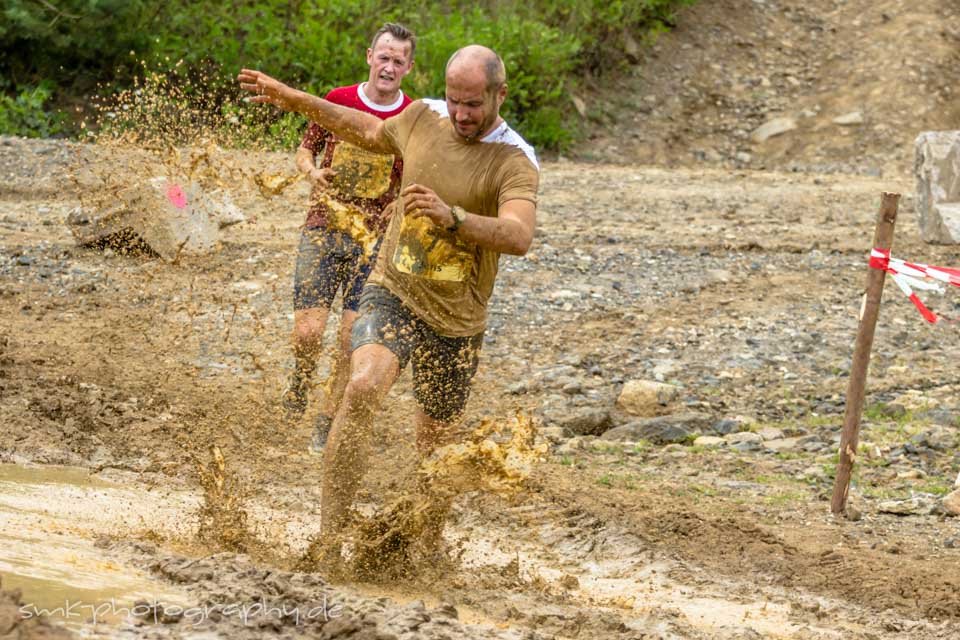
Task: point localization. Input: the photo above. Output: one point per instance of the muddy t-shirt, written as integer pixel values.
(365, 182)
(444, 280)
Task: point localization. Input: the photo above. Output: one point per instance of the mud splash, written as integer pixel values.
(223, 517)
(407, 532)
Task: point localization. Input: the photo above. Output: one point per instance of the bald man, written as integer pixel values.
(469, 193)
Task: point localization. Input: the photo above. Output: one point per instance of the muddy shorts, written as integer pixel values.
(443, 367)
(328, 261)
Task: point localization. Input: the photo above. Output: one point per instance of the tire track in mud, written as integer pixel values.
(686, 559)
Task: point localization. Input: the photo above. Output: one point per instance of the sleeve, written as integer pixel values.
(518, 180)
(397, 129)
(314, 138)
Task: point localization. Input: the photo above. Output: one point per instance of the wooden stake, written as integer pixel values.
(882, 239)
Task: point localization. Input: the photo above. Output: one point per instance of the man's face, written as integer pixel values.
(473, 107)
(389, 62)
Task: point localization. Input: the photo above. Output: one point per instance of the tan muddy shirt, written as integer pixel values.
(445, 281)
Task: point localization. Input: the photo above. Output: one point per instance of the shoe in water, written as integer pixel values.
(320, 432)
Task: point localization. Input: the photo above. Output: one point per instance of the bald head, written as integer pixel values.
(474, 59)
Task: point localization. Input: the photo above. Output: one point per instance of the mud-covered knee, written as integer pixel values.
(363, 387)
(307, 334)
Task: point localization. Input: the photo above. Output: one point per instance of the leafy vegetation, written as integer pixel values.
(76, 48)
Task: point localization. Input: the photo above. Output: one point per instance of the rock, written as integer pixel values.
(849, 119)
(772, 128)
(951, 503)
(677, 428)
(646, 397)
(937, 169)
(709, 442)
(770, 433)
(25, 261)
(742, 437)
(171, 218)
(579, 420)
(725, 426)
(921, 505)
(782, 445)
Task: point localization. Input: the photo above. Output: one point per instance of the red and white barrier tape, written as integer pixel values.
(913, 275)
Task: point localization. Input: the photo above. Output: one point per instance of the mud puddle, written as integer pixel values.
(50, 520)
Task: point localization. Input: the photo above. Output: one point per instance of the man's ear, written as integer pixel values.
(369, 56)
(501, 94)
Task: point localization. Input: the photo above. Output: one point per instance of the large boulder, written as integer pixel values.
(938, 186)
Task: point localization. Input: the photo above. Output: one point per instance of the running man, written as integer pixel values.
(338, 245)
(469, 194)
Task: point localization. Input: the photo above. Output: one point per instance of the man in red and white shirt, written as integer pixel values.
(351, 189)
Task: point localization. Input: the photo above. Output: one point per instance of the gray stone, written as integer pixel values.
(782, 445)
(743, 436)
(937, 169)
(579, 420)
(772, 128)
(921, 505)
(725, 426)
(677, 428)
(770, 433)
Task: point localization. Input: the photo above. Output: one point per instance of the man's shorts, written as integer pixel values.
(443, 367)
(328, 261)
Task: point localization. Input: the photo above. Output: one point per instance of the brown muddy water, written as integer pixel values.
(50, 520)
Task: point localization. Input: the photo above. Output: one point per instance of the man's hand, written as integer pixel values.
(321, 177)
(419, 200)
(266, 89)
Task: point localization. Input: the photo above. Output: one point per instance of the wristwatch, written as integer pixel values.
(459, 215)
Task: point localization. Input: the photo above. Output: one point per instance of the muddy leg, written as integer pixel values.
(431, 435)
(340, 371)
(307, 338)
(373, 370)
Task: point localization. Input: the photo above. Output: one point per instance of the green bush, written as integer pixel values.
(25, 114)
(547, 45)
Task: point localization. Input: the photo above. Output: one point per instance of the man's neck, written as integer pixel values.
(496, 124)
(376, 97)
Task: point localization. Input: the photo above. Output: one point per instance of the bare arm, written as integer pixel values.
(511, 232)
(362, 129)
(307, 165)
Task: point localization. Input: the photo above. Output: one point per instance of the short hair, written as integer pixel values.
(493, 66)
(399, 32)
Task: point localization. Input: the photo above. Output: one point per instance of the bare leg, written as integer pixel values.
(373, 370)
(432, 434)
(340, 372)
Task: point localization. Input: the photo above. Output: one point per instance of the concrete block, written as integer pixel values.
(937, 171)
(172, 218)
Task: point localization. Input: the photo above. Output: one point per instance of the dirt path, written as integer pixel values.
(739, 287)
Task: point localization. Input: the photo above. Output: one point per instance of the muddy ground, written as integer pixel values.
(739, 287)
